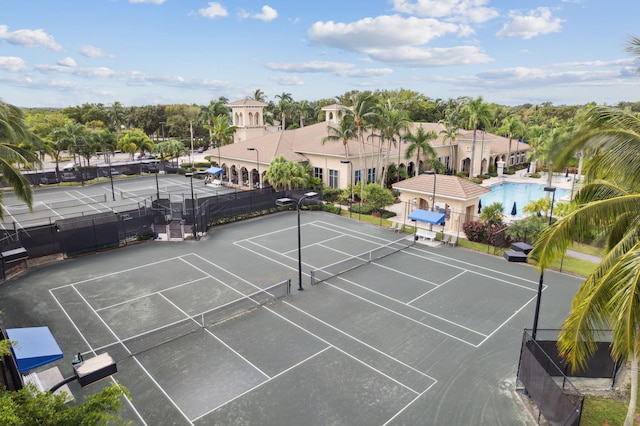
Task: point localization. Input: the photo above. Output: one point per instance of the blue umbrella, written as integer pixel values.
(514, 211)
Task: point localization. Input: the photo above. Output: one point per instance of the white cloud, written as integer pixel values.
(213, 10)
(147, 1)
(290, 80)
(67, 62)
(93, 52)
(12, 64)
(432, 57)
(380, 32)
(29, 38)
(268, 14)
(458, 10)
(536, 22)
(338, 68)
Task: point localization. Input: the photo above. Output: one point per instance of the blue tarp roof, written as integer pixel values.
(427, 216)
(33, 347)
(214, 170)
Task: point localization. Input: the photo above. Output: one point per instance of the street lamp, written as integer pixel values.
(433, 199)
(351, 182)
(287, 201)
(536, 314)
(552, 190)
(108, 154)
(194, 210)
(257, 163)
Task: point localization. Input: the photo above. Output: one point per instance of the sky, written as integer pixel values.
(147, 52)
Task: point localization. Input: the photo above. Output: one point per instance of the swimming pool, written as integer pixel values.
(521, 193)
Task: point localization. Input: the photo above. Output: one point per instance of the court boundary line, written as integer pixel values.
(93, 351)
(404, 364)
(215, 337)
(473, 264)
(436, 287)
(351, 233)
(482, 274)
(264, 382)
(159, 292)
(404, 304)
(437, 330)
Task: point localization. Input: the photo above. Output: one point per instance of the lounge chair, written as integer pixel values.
(445, 239)
(453, 241)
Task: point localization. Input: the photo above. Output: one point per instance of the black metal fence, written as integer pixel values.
(90, 233)
(560, 404)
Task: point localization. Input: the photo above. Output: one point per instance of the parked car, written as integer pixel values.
(71, 166)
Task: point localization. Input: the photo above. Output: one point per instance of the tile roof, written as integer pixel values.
(446, 186)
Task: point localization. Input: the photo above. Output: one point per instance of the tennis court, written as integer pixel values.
(60, 202)
(204, 332)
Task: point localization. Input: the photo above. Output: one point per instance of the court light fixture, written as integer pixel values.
(288, 201)
(89, 371)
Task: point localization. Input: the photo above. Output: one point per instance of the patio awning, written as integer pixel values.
(427, 216)
(33, 347)
(214, 171)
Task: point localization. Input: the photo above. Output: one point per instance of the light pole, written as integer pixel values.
(113, 194)
(194, 210)
(351, 182)
(433, 198)
(287, 201)
(552, 190)
(536, 314)
(257, 163)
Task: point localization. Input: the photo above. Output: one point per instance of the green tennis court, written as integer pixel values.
(204, 332)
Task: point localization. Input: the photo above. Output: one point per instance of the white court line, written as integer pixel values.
(476, 272)
(404, 316)
(355, 339)
(4, 207)
(215, 337)
(83, 198)
(275, 252)
(159, 292)
(162, 390)
(438, 286)
(73, 324)
(451, 259)
(350, 232)
(409, 404)
(422, 311)
(261, 384)
(110, 274)
(507, 320)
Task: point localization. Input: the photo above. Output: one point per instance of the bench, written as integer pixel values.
(423, 234)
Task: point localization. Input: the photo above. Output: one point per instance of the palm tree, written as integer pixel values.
(392, 124)
(259, 95)
(71, 136)
(511, 127)
(478, 115)
(13, 132)
(420, 144)
(345, 132)
(450, 132)
(221, 130)
(608, 296)
(284, 105)
(363, 113)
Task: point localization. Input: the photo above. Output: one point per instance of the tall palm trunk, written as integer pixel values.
(631, 410)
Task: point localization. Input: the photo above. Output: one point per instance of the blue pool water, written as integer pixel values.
(521, 193)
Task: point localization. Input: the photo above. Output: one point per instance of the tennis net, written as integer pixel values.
(350, 263)
(151, 339)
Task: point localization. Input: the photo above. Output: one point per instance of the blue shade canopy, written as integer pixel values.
(33, 347)
(427, 216)
(214, 170)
